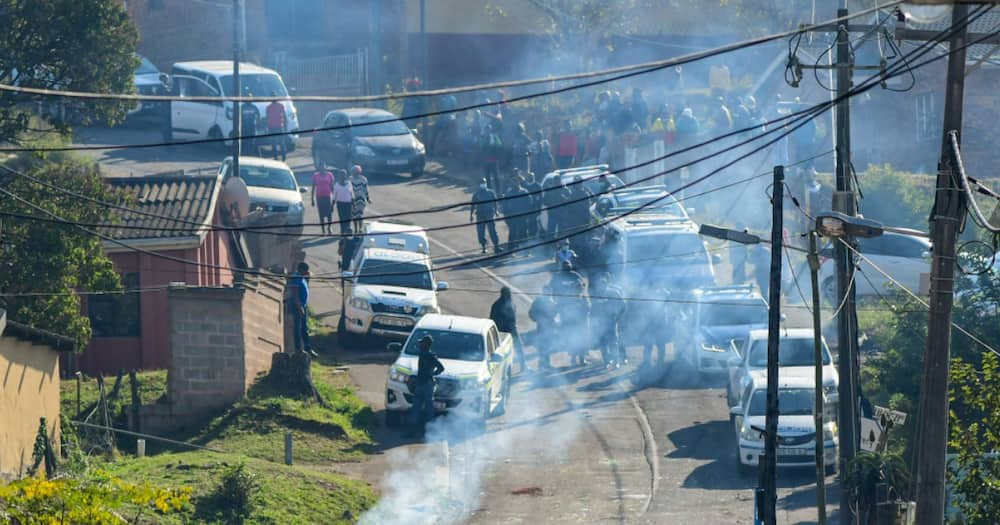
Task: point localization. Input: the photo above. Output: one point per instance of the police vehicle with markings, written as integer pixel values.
(477, 361)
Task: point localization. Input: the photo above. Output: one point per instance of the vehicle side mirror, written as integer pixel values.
(347, 275)
(165, 80)
(496, 358)
(394, 347)
(442, 286)
(926, 254)
(735, 411)
(415, 131)
(783, 317)
(303, 190)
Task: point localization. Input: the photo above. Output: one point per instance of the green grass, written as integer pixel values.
(287, 495)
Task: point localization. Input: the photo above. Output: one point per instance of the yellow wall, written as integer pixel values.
(29, 390)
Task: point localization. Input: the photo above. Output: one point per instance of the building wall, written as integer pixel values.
(29, 390)
(150, 350)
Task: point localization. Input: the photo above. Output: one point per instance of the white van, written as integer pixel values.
(214, 78)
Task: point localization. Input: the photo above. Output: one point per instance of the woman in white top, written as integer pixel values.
(359, 184)
(343, 197)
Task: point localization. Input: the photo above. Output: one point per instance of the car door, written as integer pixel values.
(193, 118)
(496, 381)
(905, 259)
(870, 280)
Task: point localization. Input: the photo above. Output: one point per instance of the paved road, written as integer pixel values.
(580, 445)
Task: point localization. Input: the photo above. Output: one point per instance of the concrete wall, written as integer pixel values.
(29, 390)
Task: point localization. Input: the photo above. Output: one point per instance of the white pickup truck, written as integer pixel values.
(477, 361)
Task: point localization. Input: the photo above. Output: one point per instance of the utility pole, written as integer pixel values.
(423, 43)
(818, 414)
(237, 113)
(847, 341)
(375, 84)
(946, 221)
(769, 470)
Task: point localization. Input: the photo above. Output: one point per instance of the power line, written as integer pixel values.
(629, 70)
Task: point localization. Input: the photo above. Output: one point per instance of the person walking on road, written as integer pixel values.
(505, 316)
(277, 123)
(343, 197)
(428, 367)
(322, 193)
(299, 286)
(516, 207)
(359, 183)
(483, 211)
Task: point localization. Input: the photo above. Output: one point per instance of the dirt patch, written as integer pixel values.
(527, 491)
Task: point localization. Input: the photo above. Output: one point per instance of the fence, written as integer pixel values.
(331, 73)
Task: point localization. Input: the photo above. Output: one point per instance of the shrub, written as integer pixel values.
(237, 494)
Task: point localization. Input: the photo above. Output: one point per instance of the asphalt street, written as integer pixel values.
(577, 445)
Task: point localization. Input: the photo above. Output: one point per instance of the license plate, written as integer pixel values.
(396, 162)
(439, 405)
(397, 322)
(796, 451)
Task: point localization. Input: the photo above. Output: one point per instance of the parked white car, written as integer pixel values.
(213, 78)
(387, 291)
(477, 361)
(795, 358)
(275, 195)
(796, 426)
(706, 325)
(904, 257)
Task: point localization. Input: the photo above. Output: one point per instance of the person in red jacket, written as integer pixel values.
(276, 123)
(566, 146)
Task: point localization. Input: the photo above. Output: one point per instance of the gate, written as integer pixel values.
(331, 74)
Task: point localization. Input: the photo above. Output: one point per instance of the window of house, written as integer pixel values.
(927, 123)
(116, 315)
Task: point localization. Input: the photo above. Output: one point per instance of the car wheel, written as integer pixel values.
(729, 398)
(504, 395)
(215, 134)
(742, 468)
(829, 290)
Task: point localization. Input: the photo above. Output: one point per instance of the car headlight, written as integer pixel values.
(429, 309)
(360, 304)
(363, 151)
(398, 375)
(297, 207)
(712, 348)
(830, 432)
(419, 146)
(749, 434)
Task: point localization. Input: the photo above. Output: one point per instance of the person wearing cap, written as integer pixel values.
(428, 367)
(361, 197)
(483, 210)
(299, 286)
(505, 316)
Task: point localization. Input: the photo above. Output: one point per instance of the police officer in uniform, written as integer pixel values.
(428, 367)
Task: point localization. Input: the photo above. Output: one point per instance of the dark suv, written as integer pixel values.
(375, 139)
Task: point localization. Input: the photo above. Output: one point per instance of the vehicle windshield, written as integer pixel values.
(791, 402)
(666, 204)
(146, 67)
(732, 314)
(383, 126)
(678, 246)
(448, 345)
(258, 84)
(593, 184)
(791, 352)
(394, 273)
(263, 177)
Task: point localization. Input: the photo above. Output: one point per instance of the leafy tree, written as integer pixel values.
(975, 411)
(47, 258)
(80, 45)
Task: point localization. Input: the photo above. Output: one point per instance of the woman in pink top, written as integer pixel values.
(321, 193)
(343, 197)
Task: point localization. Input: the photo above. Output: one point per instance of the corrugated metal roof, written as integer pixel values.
(985, 24)
(170, 206)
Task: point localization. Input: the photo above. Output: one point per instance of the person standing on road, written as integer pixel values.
(505, 316)
(348, 246)
(567, 144)
(277, 123)
(554, 199)
(483, 211)
(249, 116)
(428, 367)
(516, 206)
(654, 328)
(492, 153)
(532, 227)
(359, 183)
(608, 308)
(343, 197)
(322, 192)
(543, 313)
(574, 311)
(299, 286)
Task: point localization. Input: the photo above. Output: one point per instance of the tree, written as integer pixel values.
(46, 258)
(79, 45)
(975, 438)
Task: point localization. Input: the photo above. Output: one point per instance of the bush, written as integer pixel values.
(897, 198)
(97, 499)
(237, 494)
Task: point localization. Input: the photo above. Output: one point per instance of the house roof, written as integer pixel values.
(985, 24)
(170, 211)
(34, 335)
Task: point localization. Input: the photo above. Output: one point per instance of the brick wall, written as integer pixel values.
(221, 339)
